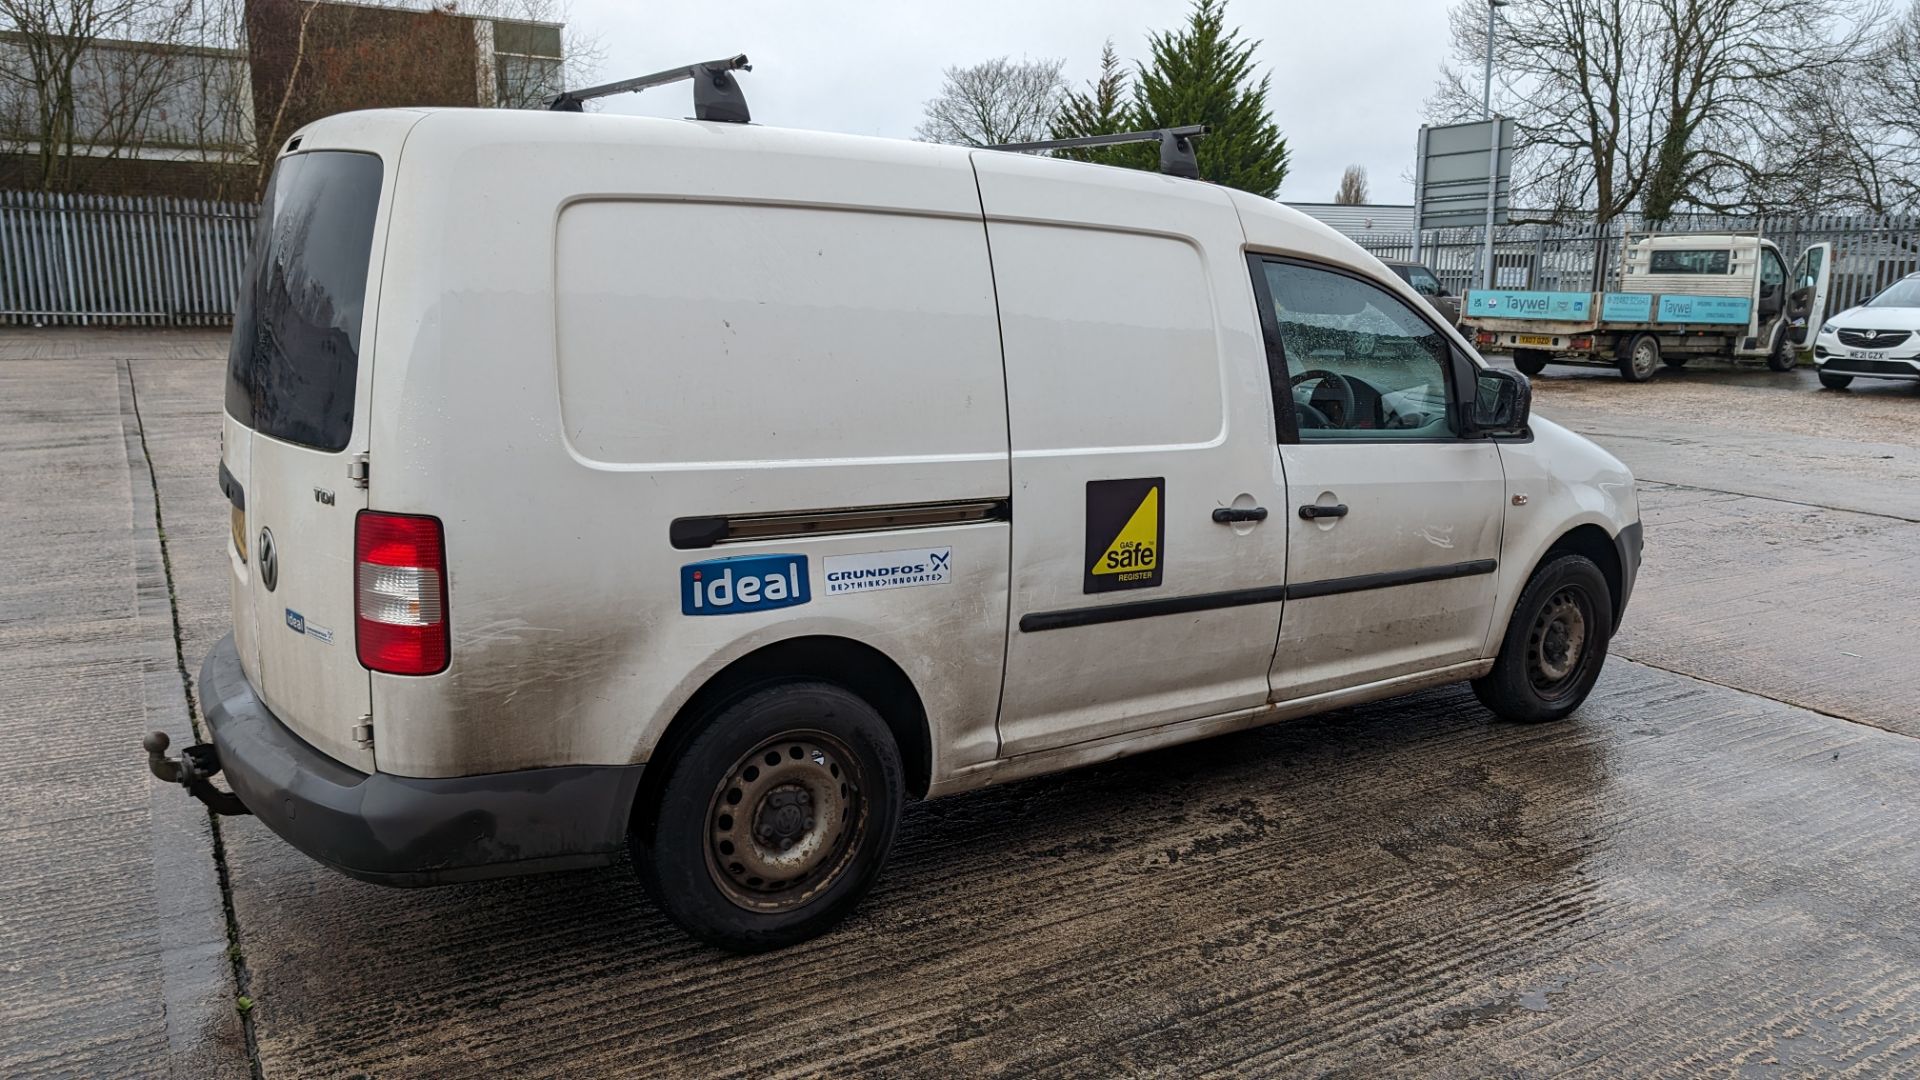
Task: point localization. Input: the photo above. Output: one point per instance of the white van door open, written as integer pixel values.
(1807, 303)
(1149, 536)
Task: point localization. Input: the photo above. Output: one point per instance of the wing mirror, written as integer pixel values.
(1502, 401)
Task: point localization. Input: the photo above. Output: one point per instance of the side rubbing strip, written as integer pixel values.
(1147, 609)
(1307, 590)
(705, 532)
(1180, 605)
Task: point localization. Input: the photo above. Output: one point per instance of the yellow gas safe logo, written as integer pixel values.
(1126, 534)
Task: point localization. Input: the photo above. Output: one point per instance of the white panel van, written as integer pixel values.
(709, 490)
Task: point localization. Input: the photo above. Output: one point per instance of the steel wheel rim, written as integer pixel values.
(785, 821)
(1557, 643)
(1646, 356)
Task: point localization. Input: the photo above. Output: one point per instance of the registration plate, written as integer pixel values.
(1532, 339)
(1867, 354)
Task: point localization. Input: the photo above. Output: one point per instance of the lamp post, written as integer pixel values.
(1486, 93)
(1493, 163)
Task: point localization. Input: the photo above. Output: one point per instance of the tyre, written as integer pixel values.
(1640, 359)
(774, 818)
(1783, 356)
(1835, 381)
(1554, 646)
(1530, 362)
(1675, 362)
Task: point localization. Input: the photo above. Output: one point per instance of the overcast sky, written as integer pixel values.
(1349, 76)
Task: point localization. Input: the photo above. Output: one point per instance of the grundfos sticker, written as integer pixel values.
(872, 570)
(1126, 533)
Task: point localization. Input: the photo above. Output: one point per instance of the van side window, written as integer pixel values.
(1360, 364)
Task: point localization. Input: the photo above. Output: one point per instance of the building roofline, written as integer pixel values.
(431, 9)
(129, 45)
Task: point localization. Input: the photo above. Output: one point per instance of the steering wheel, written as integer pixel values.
(1341, 388)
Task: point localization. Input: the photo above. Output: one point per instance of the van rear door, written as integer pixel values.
(297, 380)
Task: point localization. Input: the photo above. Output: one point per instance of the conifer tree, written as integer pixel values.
(1202, 73)
(1101, 110)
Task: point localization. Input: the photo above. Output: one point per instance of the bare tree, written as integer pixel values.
(998, 101)
(82, 80)
(1852, 140)
(1657, 104)
(1575, 75)
(537, 78)
(1353, 187)
(1732, 65)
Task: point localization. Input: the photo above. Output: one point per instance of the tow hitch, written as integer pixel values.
(190, 770)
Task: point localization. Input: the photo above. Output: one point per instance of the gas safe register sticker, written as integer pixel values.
(743, 583)
(1126, 534)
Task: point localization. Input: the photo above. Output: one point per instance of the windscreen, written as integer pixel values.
(296, 330)
(1903, 293)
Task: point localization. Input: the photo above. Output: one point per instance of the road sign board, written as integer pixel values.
(1453, 170)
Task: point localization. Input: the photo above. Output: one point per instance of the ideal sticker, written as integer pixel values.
(1126, 534)
(742, 584)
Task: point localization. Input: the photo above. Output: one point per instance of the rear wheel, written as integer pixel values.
(1835, 381)
(1529, 361)
(774, 819)
(1554, 645)
(1641, 358)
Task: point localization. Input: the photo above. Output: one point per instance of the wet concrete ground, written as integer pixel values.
(1707, 870)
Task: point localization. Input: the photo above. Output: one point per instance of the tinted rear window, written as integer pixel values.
(296, 332)
(1690, 262)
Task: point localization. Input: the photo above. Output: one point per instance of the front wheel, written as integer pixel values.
(775, 818)
(1783, 356)
(1641, 358)
(1834, 381)
(1554, 645)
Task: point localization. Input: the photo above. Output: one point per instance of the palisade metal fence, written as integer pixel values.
(104, 260)
(90, 260)
(1871, 251)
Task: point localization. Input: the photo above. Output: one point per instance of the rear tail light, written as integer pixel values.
(1583, 343)
(1484, 337)
(400, 604)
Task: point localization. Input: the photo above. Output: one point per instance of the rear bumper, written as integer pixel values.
(397, 830)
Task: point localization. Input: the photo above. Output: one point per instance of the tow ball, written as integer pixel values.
(190, 770)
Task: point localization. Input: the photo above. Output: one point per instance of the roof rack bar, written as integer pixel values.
(716, 96)
(1176, 146)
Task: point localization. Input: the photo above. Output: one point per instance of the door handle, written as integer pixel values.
(1313, 511)
(1227, 515)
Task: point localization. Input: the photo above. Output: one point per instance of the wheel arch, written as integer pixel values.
(1593, 542)
(852, 665)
